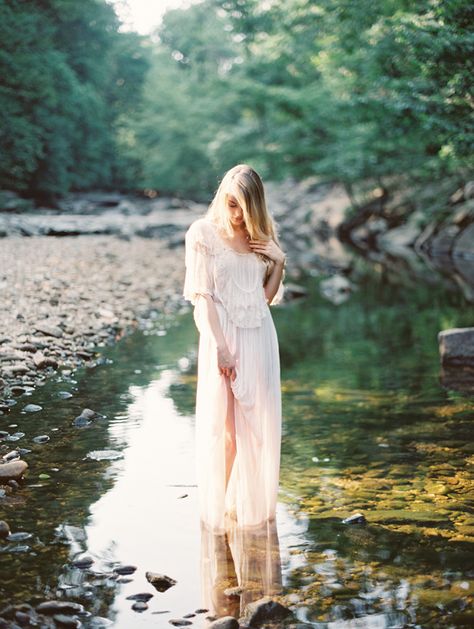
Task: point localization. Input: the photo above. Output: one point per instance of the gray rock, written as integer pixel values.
(265, 610)
(456, 346)
(13, 470)
(32, 408)
(226, 622)
(139, 606)
(161, 582)
(20, 536)
(125, 569)
(88, 413)
(67, 621)
(83, 562)
(141, 596)
(179, 622)
(41, 361)
(64, 395)
(41, 439)
(59, 607)
(48, 329)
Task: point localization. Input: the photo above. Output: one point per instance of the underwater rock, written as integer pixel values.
(41, 439)
(32, 408)
(357, 518)
(20, 536)
(263, 610)
(104, 455)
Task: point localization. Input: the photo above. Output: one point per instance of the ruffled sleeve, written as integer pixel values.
(199, 262)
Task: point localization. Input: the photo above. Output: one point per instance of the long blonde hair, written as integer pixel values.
(245, 184)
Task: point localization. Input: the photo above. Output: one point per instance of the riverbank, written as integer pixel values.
(62, 298)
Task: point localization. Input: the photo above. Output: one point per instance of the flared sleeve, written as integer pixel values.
(278, 297)
(199, 262)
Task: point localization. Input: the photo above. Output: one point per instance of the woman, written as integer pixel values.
(234, 270)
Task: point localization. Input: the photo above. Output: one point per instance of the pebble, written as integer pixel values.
(139, 606)
(59, 607)
(21, 536)
(41, 439)
(32, 408)
(67, 621)
(141, 596)
(83, 562)
(125, 569)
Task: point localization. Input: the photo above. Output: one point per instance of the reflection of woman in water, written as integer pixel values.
(239, 567)
(234, 269)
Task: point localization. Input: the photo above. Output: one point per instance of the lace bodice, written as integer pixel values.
(232, 278)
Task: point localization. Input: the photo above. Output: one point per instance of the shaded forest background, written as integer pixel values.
(341, 90)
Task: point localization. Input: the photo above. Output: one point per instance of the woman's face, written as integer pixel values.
(234, 210)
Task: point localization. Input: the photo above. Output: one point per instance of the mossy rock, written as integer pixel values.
(407, 517)
(432, 598)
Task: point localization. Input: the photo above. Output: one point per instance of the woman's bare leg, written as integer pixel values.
(230, 443)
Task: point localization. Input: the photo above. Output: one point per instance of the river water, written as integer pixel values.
(369, 428)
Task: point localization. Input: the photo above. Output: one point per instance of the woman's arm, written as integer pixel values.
(273, 282)
(270, 249)
(225, 360)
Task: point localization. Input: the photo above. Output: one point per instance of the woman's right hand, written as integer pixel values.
(226, 362)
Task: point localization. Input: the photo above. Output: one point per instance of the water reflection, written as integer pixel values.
(239, 567)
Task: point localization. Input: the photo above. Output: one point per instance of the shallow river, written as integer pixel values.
(368, 428)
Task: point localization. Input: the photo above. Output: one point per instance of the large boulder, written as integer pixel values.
(456, 346)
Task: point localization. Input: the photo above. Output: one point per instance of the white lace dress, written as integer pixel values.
(235, 282)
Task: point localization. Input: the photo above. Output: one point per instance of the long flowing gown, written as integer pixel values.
(235, 282)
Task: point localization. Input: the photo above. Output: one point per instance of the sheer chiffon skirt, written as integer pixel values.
(251, 493)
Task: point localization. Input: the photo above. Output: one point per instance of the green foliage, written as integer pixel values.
(349, 91)
(67, 76)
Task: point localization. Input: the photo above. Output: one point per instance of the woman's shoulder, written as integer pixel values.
(202, 230)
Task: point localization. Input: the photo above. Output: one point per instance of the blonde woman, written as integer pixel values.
(234, 271)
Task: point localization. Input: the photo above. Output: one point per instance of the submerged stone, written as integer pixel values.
(357, 518)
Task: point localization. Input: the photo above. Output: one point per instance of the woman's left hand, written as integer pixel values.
(268, 248)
